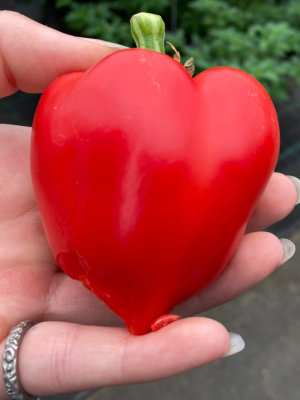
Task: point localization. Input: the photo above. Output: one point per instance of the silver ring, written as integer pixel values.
(10, 362)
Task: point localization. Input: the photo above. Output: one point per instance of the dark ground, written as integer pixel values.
(267, 316)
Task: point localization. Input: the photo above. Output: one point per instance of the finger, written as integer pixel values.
(258, 255)
(277, 201)
(60, 357)
(44, 53)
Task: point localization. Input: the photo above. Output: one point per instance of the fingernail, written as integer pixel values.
(296, 182)
(104, 43)
(110, 44)
(289, 249)
(237, 344)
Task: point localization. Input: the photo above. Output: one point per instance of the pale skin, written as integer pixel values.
(80, 344)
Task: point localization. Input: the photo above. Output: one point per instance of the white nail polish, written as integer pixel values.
(288, 249)
(110, 44)
(105, 43)
(296, 182)
(237, 344)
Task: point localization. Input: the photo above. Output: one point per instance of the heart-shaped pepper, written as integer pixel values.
(145, 177)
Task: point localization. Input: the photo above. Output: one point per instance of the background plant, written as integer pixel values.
(260, 37)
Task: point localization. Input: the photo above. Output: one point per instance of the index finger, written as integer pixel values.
(32, 55)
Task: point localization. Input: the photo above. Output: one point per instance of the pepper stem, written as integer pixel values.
(148, 31)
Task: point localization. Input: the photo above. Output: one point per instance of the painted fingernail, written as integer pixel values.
(110, 44)
(237, 344)
(105, 43)
(289, 249)
(296, 182)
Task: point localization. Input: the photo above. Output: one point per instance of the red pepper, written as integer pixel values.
(145, 177)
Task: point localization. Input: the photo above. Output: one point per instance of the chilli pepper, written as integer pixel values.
(146, 177)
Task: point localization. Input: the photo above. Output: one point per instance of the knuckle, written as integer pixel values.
(62, 358)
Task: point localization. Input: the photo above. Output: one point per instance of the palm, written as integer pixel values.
(32, 286)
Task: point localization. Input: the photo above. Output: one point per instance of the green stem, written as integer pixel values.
(148, 31)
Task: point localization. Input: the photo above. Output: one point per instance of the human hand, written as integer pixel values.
(80, 344)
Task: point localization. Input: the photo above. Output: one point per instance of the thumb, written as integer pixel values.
(32, 55)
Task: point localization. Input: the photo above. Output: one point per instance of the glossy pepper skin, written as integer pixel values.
(145, 177)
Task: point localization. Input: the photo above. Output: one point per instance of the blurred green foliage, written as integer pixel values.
(260, 37)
